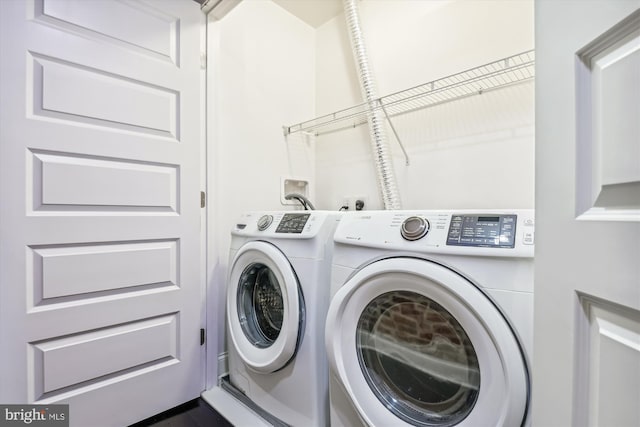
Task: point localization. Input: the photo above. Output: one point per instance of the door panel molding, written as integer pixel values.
(70, 92)
(76, 272)
(607, 363)
(608, 129)
(106, 21)
(62, 364)
(66, 183)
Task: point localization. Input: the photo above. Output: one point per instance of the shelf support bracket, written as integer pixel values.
(395, 133)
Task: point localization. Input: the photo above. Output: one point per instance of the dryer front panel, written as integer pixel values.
(265, 308)
(414, 343)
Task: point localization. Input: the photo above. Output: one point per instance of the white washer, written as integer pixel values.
(430, 322)
(277, 299)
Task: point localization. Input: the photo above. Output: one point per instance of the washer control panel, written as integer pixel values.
(287, 225)
(496, 231)
(292, 223)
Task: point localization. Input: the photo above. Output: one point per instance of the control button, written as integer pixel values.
(414, 228)
(264, 222)
(528, 222)
(527, 238)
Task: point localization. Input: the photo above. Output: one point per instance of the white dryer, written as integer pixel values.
(277, 299)
(431, 318)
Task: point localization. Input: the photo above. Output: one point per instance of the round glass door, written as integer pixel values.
(265, 310)
(417, 359)
(260, 305)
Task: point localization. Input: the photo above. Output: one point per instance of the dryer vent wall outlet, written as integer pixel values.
(355, 203)
(290, 185)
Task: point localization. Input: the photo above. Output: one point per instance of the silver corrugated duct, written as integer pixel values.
(382, 158)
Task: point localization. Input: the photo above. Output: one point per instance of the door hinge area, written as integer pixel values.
(202, 335)
(203, 60)
(203, 199)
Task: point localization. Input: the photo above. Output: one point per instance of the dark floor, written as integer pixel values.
(196, 413)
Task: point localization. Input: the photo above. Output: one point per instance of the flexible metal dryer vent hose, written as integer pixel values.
(382, 158)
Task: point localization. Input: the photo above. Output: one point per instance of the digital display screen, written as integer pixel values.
(494, 231)
(292, 223)
(488, 218)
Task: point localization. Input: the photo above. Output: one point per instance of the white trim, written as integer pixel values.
(218, 8)
(232, 409)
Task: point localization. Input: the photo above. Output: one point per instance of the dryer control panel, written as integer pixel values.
(482, 230)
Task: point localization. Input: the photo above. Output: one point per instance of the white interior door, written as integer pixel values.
(587, 278)
(100, 262)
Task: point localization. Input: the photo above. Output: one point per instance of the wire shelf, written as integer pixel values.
(505, 72)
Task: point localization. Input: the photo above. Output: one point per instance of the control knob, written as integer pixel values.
(414, 228)
(264, 222)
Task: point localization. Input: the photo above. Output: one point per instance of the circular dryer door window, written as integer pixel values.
(417, 359)
(414, 343)
(265, 309)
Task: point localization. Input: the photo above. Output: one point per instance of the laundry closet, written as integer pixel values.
(276, 70)
(289, 92)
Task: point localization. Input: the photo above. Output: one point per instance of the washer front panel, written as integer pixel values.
(376, 351)
(264, 309)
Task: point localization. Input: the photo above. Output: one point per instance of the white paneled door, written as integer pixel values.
(586, 365)
(100, 218)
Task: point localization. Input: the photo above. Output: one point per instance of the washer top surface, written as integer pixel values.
(487, 233)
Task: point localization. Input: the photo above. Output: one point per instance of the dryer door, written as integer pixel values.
(264, 307)
(414, 343)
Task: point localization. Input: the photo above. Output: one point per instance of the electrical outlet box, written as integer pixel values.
(352, 202)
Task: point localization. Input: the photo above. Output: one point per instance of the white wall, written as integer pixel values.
(476, 153)
(261, 74)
